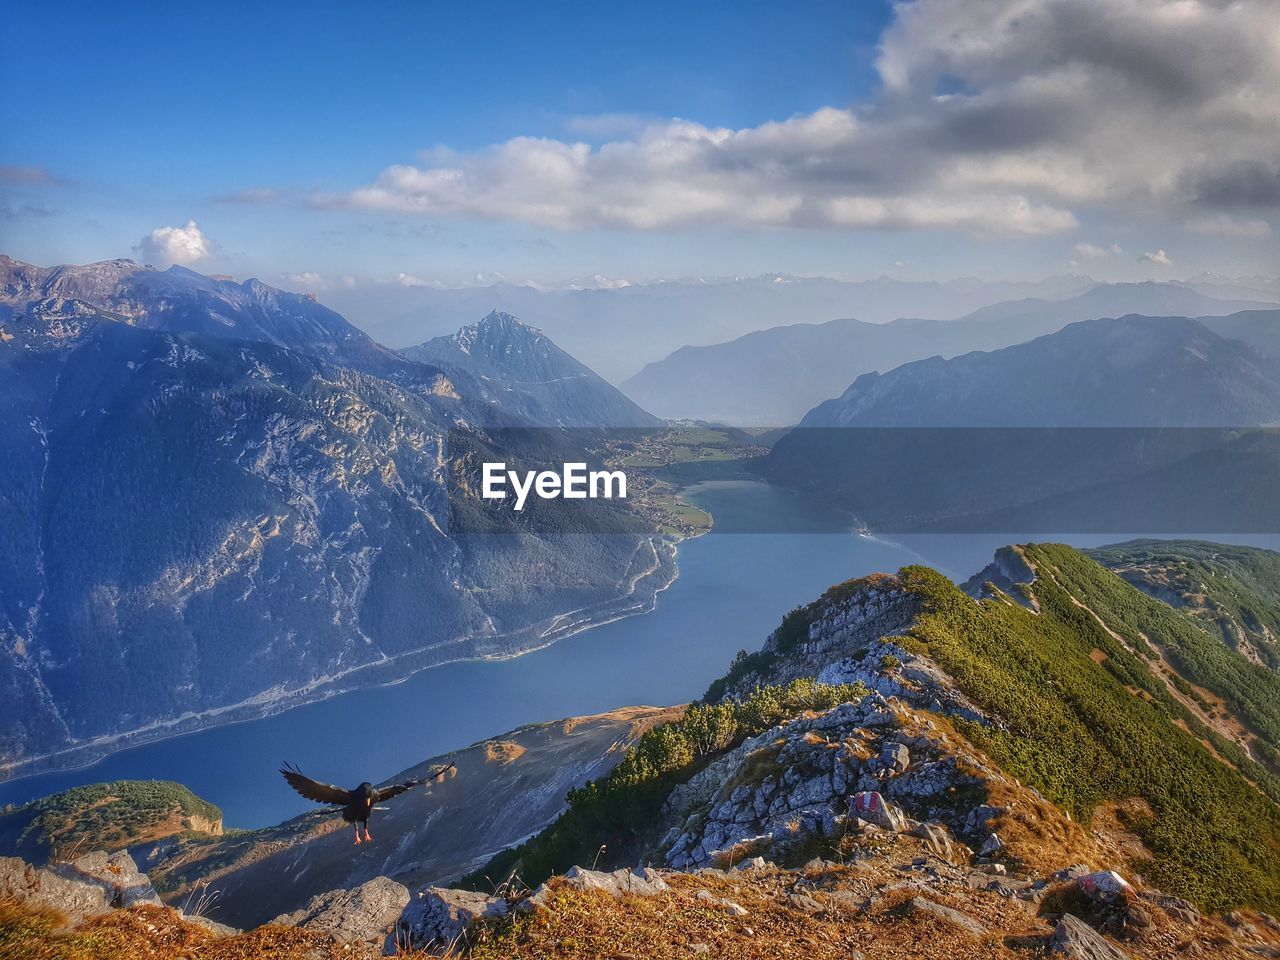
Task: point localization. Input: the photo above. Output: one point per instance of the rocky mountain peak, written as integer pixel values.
(553, 387)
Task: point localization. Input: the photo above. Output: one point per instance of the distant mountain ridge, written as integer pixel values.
(544, 384)
(1104, 426)
(1131, 371)
(617, 331)
(772, 377)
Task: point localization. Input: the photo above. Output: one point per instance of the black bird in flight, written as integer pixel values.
(356, 804)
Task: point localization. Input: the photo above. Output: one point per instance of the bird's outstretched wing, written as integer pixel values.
(386, 793)
(314, 789)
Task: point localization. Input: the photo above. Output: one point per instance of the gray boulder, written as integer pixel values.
(366, 914)
(116, 874)
(895, 757)
(1076, 939)
(953, 917)
(437, 917)
(619, 883)
(639, 883)
(940, 843)
(871, 806)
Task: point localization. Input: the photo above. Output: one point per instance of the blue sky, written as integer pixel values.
(438, 140)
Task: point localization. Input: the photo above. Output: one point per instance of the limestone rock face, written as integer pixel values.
(44, 888)
(893, 671)
(810, 777)
(437, 918)
(94, 884)
(116, 874)
(367, 914)
(848, 626)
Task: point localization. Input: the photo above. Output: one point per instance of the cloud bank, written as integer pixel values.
(993, 116)
(168, 245)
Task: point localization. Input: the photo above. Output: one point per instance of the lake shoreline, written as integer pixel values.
(84, 756)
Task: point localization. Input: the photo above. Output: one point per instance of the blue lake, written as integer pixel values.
(732, 590)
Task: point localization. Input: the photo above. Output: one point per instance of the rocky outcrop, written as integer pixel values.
(116, 874)
(1075, 939)
(870, 762)
(39, 887)
(437, 918)
(641, 882)
(368, 914)
(845, 622)
(1005, 573)
(91, 885)
(892, 671)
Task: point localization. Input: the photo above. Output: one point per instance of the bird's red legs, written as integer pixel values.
(367, 837)
(357, 833)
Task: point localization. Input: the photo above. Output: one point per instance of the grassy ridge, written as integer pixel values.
(1252, 692)
(1085, 720)
(1084, 732)
(1225, 587)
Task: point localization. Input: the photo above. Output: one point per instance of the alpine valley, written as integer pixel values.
(219, 499)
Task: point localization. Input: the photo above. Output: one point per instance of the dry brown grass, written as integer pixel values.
(592, 925)
(153, 933)
(1038, 836)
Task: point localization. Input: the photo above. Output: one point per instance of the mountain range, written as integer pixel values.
(1138, 371)
(220, 499)
(772, 377)
(617, 329)
(1131, 423)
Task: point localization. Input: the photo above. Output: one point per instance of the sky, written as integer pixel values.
(321, 145)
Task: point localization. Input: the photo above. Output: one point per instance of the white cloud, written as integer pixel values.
(1222, 225)
(311, 281)
(1006, 116)
(168, 245)
(1159, 257)
(1091, 251)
